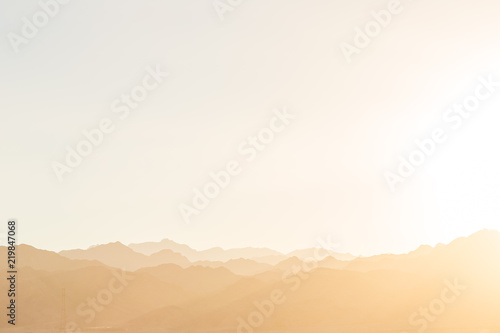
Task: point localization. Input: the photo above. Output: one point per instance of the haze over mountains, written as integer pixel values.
(169, 287)
(244, 261)
(216, 253)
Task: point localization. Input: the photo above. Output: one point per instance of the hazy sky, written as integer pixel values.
(323, 175)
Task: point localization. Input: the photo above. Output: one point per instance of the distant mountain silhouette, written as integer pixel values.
(213, 254)
(120, 256)
(457, 284)
(28, 256)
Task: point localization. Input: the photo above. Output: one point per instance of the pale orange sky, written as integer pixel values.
(323, 175)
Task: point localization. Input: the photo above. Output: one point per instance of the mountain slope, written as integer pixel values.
(120, 256)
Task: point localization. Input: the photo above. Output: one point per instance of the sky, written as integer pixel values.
(322, 176)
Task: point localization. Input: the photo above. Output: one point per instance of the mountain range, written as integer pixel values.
(170, 287)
